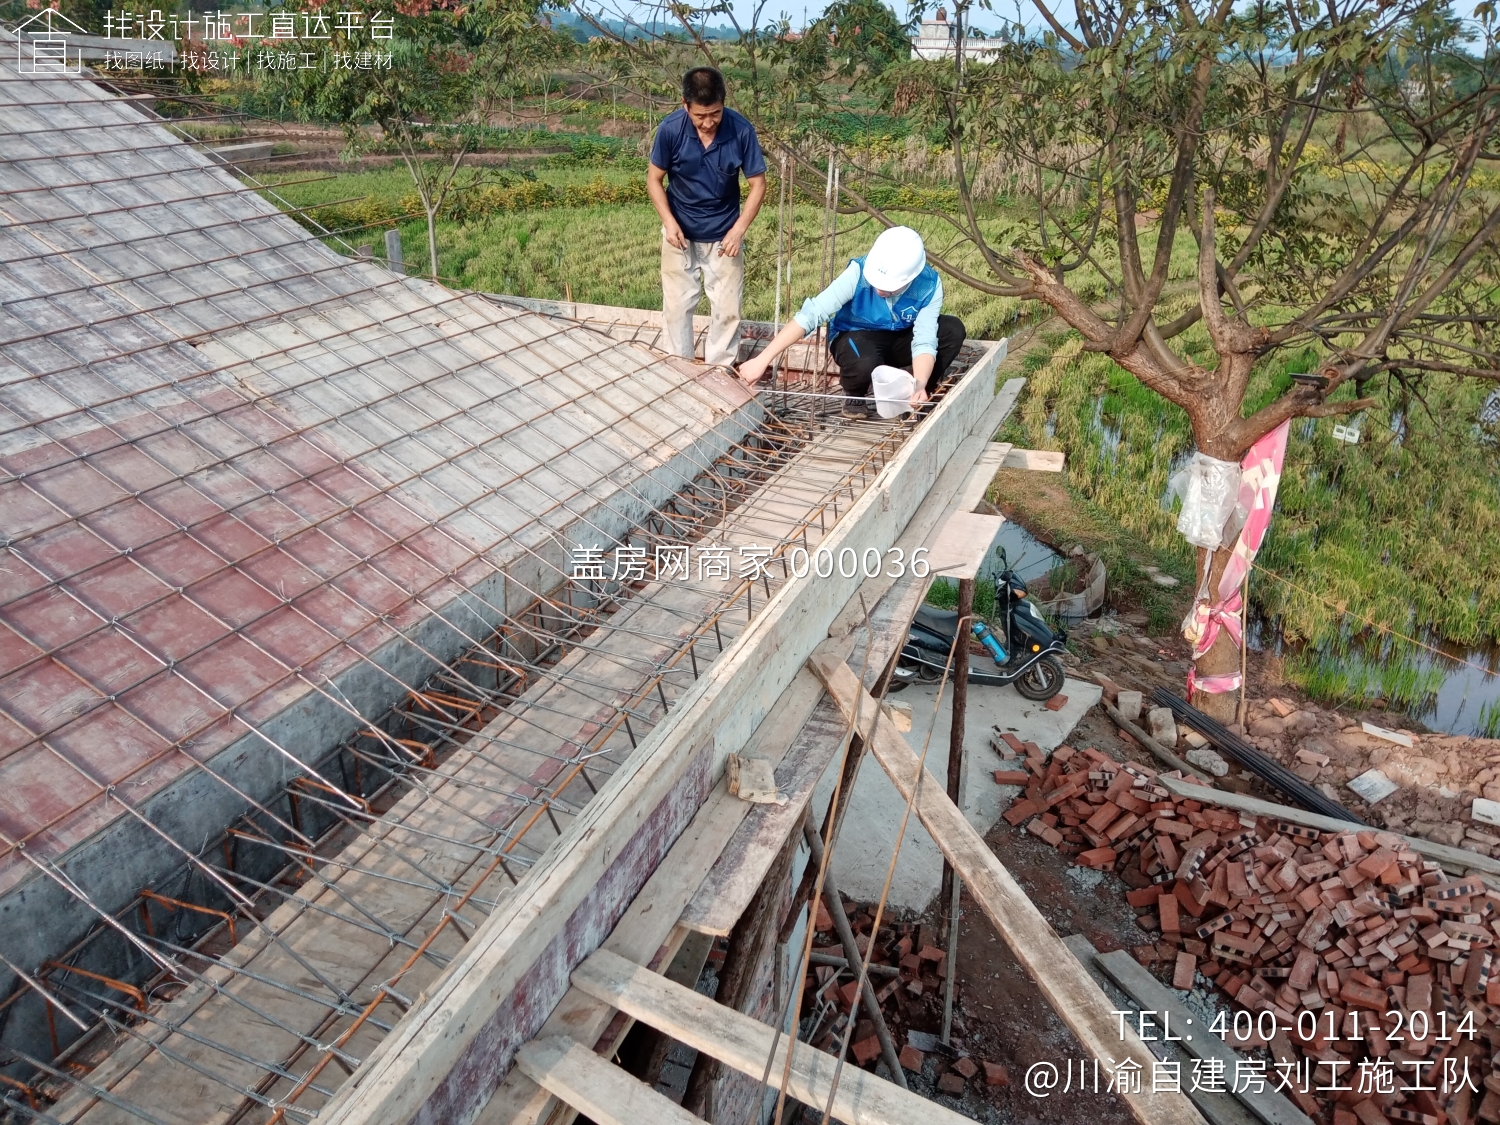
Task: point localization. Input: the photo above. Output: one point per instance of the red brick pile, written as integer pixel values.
(1376, 965)
(908, 969)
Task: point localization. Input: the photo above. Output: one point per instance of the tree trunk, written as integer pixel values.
(1224, 657)
(432, 255)
(1213, 416)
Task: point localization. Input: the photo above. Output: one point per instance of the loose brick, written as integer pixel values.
(911, 1059)
(1375, 863)
(1107, 814)
(1011, 777)
(1166, 908)
(1316, 926)
(1183, 970)
(866, 1049)
(995, 1074)
(1302, 970)
(1177, 829)
(823, 921)
(1213, 925)
(967, 1067)
(1021, 810)
(1099, 858)
(951, 1084)
(1056, 703)
(1363, 995)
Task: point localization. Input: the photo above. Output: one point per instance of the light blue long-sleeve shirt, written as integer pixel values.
(818, 311)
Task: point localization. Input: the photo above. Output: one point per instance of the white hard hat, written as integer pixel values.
(895, 259)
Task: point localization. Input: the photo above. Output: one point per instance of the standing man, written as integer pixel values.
(700, 152)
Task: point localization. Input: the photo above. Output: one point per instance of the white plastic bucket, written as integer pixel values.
(893, 389)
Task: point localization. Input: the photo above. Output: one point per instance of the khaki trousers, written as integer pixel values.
(685, 274)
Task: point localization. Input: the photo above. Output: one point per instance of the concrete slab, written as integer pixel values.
(864, 849)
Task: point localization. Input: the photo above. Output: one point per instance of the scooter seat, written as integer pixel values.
(940, 621)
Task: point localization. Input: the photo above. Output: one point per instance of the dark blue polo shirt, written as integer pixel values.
(703, 184)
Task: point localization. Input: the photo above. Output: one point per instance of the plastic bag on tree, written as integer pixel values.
(1210, 489)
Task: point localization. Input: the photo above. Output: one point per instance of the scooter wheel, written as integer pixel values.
(1042, 680)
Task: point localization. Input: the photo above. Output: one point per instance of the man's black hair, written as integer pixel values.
(703, 85)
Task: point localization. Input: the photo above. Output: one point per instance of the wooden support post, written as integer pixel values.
(948, 893)
(747, 947)
(852, 955)
(1070, 990)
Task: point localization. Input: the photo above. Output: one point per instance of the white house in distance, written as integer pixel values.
(937, 40)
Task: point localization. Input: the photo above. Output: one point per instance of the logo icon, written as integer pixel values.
(46, 34)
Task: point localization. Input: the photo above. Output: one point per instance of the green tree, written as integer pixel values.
(1200, 186)
(449, 66)
(1328, 170)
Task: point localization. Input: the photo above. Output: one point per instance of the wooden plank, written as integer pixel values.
(1066, 984)
(745, 1044)
(741, 867)
(962, 544)
(981, 476)
(1219, 1106)
(445, 1058)
(1037, 460)
(1197, 1041)
(596, 1087)
(1459, 858)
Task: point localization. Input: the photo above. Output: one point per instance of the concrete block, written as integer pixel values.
(1163, 726)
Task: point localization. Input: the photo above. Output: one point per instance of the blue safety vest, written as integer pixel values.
(867, 310)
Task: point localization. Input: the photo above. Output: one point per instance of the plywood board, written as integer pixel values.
(1037, 460)
(962, 543)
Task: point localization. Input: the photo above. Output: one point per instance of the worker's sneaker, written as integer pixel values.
(855, 408)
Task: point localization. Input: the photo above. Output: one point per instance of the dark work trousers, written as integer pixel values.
(859, 353)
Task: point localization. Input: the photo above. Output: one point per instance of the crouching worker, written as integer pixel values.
(886, 308)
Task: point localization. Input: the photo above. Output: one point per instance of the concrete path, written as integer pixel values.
(864, 848)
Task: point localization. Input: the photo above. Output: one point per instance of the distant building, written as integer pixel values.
(938, 40)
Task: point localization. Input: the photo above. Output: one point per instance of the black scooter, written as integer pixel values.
(1025, 653)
